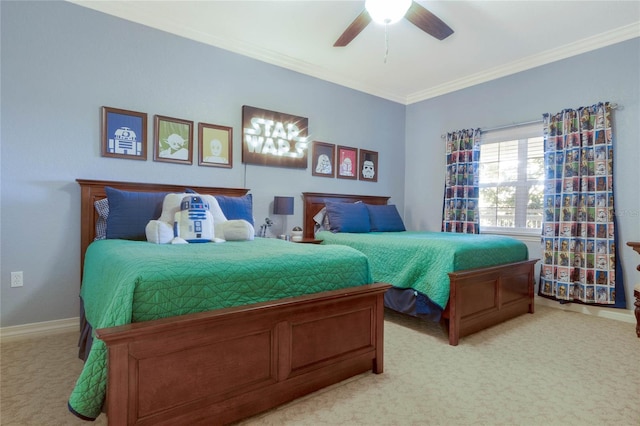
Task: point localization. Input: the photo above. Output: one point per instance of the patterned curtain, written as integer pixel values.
(579, 229)
(460, 210)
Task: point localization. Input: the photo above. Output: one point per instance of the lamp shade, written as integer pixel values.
(387, 11)
(283, 205)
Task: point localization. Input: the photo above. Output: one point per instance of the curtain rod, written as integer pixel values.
(526, 123)
(508, 126)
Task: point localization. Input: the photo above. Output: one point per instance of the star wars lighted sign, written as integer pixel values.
(272, 138)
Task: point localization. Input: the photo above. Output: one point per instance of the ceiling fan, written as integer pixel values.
(390, 11)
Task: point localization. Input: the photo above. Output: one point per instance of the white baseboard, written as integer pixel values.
(625, 315)
(72, 324)
(39, 329)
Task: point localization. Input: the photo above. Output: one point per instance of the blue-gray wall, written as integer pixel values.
(607, 74)
(62, 62)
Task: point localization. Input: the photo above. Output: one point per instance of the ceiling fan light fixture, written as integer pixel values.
(387, 11)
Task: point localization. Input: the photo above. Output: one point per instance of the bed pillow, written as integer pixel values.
(171, 205)
(236, 230)
(102, 207)
(321, 221)
(385, 218)
(348, 217)
(237, 207)
(130, 211)
(160, 231)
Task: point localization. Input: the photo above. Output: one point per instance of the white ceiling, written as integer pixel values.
(491, 38)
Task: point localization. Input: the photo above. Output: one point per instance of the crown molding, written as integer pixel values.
(131, 12)
(588, 44)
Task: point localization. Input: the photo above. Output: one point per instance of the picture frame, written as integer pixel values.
(323, 160)
(275, 139)
(173, 140)
(347, 162)
(124, 134)
(368, 165)
(215, 145)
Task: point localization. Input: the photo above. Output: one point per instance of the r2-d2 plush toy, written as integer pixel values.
(194, 222)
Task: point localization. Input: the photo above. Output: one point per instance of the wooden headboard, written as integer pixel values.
(93, 190)
(313, 202)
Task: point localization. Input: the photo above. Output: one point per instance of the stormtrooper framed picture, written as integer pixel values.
(324, 159)
(368, 165)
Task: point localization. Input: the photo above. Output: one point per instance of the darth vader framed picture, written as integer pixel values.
(323, 159)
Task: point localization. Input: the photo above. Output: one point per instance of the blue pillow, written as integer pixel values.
(130, 211)
(237, 207)
(348, 217)
(385, 218)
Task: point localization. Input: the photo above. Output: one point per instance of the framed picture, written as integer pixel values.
(324, 159)
(347, 162)
(215, 147)
(173, 140)
(124, 134)
(276, 139)
(368, 169)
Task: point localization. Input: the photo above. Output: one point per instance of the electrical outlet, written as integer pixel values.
(16, 279)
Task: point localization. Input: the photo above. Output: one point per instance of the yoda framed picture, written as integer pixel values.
(173, 141)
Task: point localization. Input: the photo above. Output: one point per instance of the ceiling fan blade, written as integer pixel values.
(354, 29)
(428, 22)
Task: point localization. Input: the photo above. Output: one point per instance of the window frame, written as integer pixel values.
(521, 133)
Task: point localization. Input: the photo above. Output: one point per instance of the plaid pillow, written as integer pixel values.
(102, 207)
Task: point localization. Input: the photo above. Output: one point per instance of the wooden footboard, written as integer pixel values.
(484, 297)
(221, 366)
(479, 298)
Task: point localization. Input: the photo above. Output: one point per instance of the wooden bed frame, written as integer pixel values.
(479, 298)
(221, 366)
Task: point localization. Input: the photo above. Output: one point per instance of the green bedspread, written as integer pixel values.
(131, 281)
(422, 260)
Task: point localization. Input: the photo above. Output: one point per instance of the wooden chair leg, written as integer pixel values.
(636, 293)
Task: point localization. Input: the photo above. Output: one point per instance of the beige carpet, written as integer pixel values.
(528, 371)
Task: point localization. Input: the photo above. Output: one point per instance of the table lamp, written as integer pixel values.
(283, 206)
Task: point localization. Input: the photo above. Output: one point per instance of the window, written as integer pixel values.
(512, 180)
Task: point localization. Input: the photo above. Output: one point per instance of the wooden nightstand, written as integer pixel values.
(308, 241)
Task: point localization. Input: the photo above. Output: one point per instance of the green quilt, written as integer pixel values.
(132, 281)
(422, 260)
